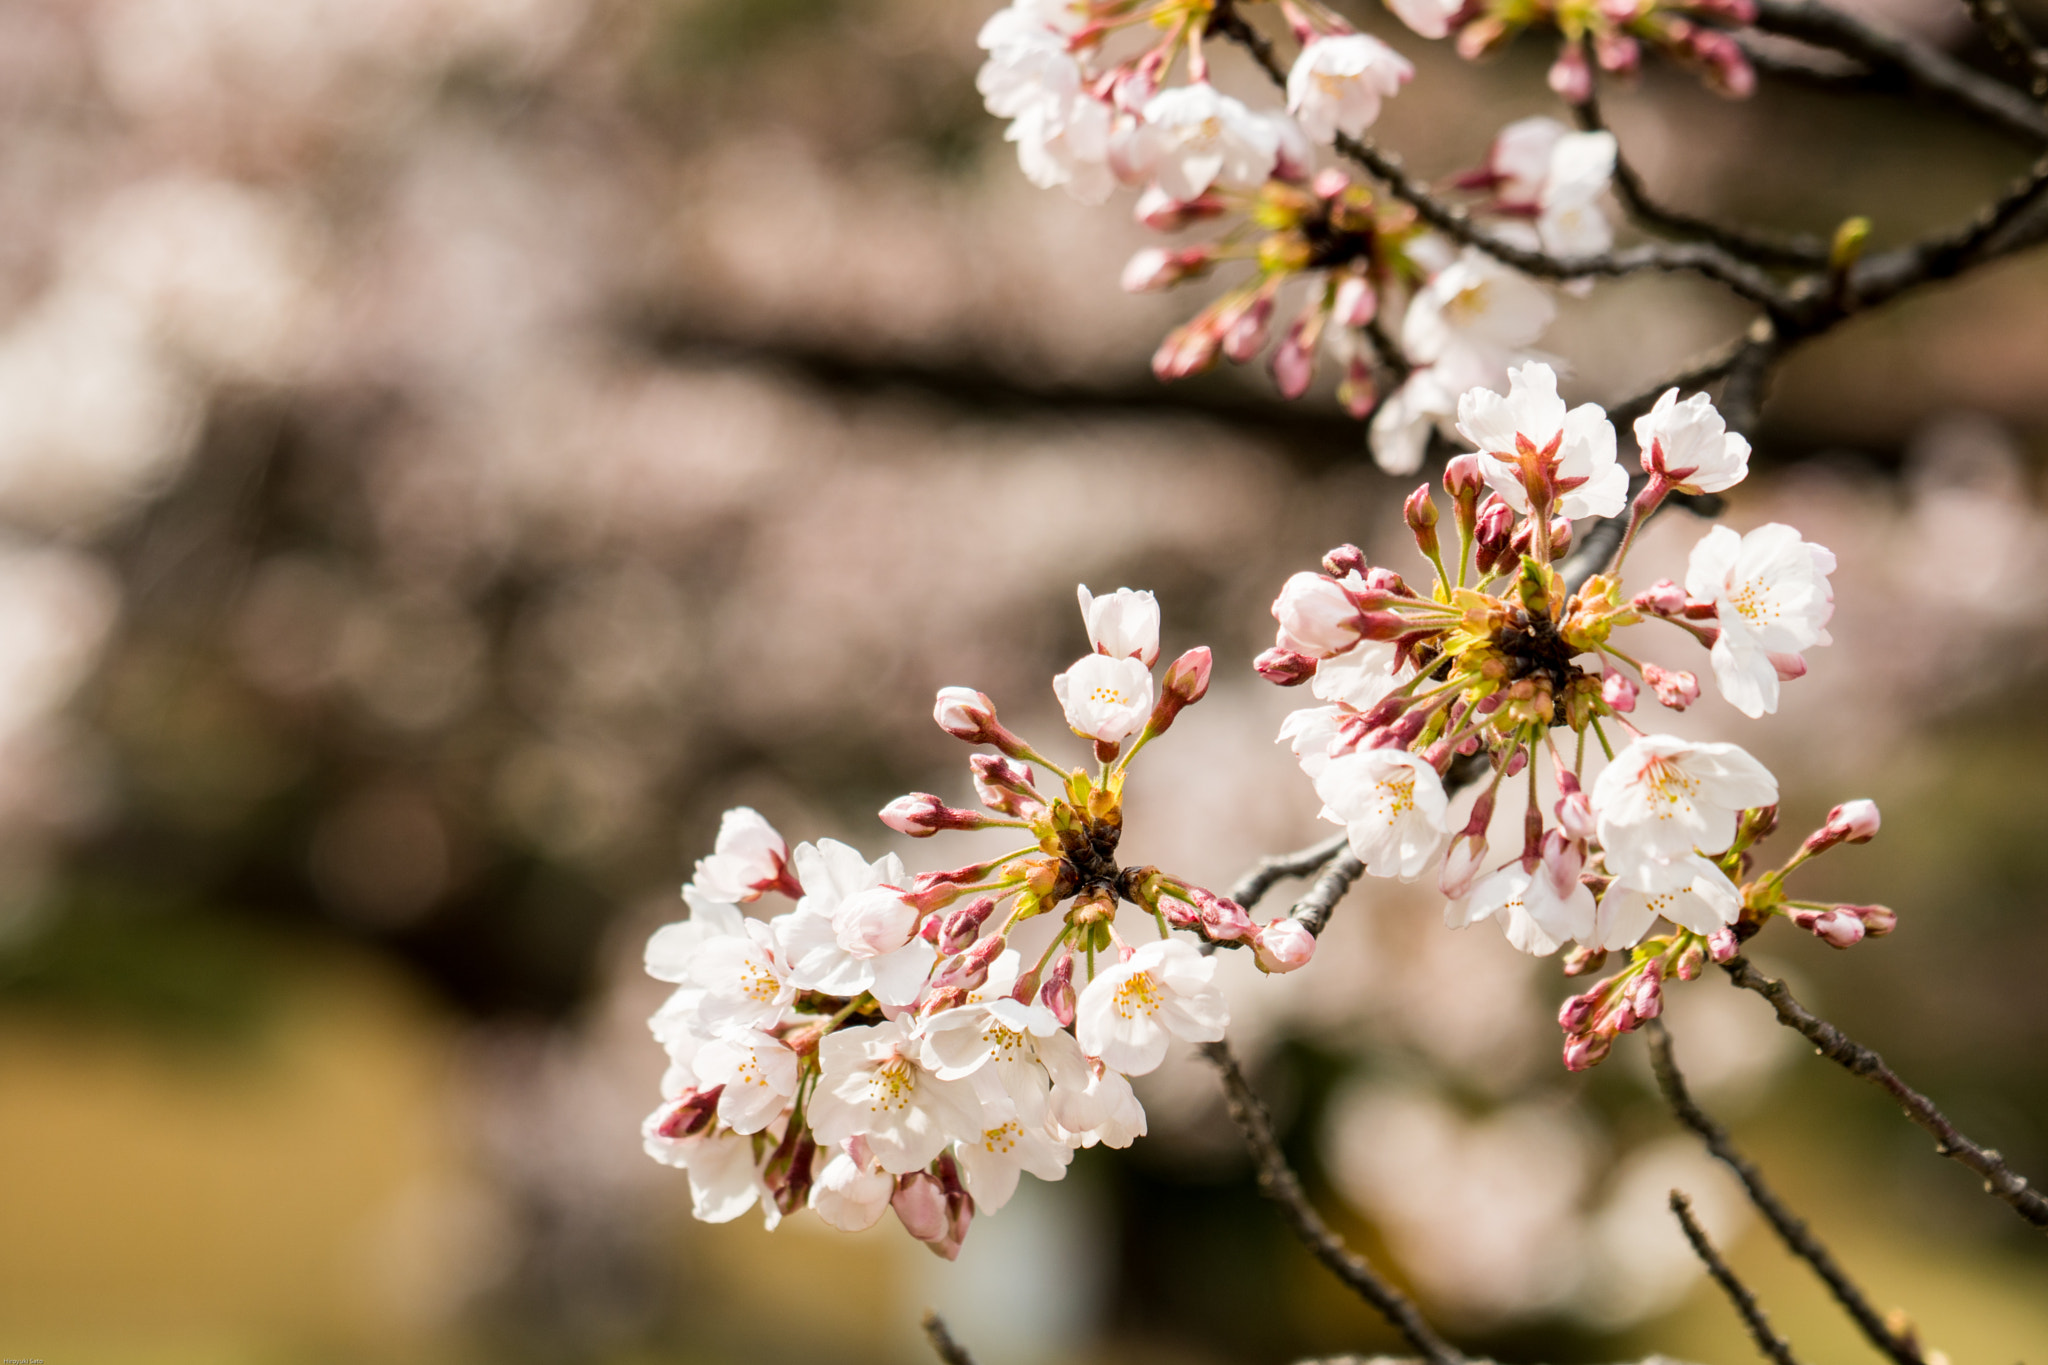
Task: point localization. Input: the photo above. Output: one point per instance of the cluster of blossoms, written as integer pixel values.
(882, 1045)
(1085, 85)
(1501, 654)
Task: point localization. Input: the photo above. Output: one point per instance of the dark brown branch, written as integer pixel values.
(1791, 1229)
(1925, 71)
(1947, 255)
(1313, 909)
(1701, 258)
(943, 1344)
(2013, 42)
(1748, 243)
(1772, 1345)
(1253, 885)
(1278, 1182)
(2000, 1179)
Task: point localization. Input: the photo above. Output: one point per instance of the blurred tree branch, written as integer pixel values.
(1773, 1346)
(943, 1343)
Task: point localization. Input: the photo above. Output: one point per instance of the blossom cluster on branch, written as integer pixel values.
(882, 1045)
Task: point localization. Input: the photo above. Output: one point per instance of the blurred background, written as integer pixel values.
(452, 449)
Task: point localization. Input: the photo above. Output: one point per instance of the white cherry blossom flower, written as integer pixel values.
(1312, 732)
(991, 1164)
(1430, 18)
(1208, 138)
(1339, 81)
(1363, 676)
(724, 1167)
(1772, 602)
(1165, 989)
(1020, 1048)
(1104, 1109)
(874, 1088)
(1591, 482)
(809, 938)
(1393, 806)
(1475, 304)
(748, 859)
(758, 1071)
(1529, 910)
(1317, 616)
(672, 946)
(1664, 797)
(1557, 176)
(1123, 624)
(741, 979)
(850, 1192)
(1029, 66)
(1690, 446)
(1689, 891)
(1069, 146)
(1105, 699)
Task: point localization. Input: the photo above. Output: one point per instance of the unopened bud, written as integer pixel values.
(1294, 360)
(1461, 866)
(1722, 945)
(1576, 1014)
(1358, 392)
(1465, 478)
(1356, 302)
(1421, 514)
(693, 1113)
(1005, 786)
(1161, 212)
(1571, 77)
(1852, 822)
(963, 924)
(969, 970)
(1586, 1051)
(1878, 920)
(921, 815)
(1058, 992)
(1187, 350)
(1617, 691)
(1690, 962)
(1646, 994)
(1223, 919)
(1284, 945)
(966, 714)
(1835, 927)
(1676, 689)
(1344, 561)
(1245, 335)
(1517, 761)
(1581, 961)
(1493, 532)
(1158, 268)
(1285, 667)
(1187, 682)
(1617, 52)
(920, 1201)
(1663, 597)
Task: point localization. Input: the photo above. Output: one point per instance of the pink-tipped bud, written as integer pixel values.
(1344, 561)
(1246, 335)
(1518, 760)
(1728, 69)
(921, 815)
(1187, 350)
(1722, 945)
(1461, 866)
(1188, 676)
(1285, 667)
(969, 970)
(1329, 183)
(1465, 478)
(1662, 597)
(1005, 786)
(966, 714)
(1574, 811)
(1646, 994)
(1836, 927)
(1161, 212)
(1878, 920)
(1294, 360)
(1421, 515)
(1223, 919)
(1690, 962)
(962, 925)
(1617, 691)
(1357, 302)
(920, 1202)
(1852, 822)
(1058, 994)
(693, 1113)
(1571, 77)
(1284, 945)
(1576, 1014)
(1560, 537)
(1586, 1051)
(1358, 392)
(1563, 860)
(1617, 52)
(1159, 268)
(1493, 532)
(1676, 689)
(1582, 961)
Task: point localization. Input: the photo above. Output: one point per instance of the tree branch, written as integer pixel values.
(2000, 1180)
(1926, 72)
(2013, 41)
(1278, 1182)
(1791, 1229)
(1884, 277)
(941, 1338)
(1769, 1342)
(1253, 885)
(1748, 243)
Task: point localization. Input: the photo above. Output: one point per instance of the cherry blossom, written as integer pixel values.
(832, 940)
(992, 1162)
(1163, 990)
(756, 1074)
(1690, 892)
(1020, 1047)
(851, 1192)
(1689, 446)
(1772, 601)
(1338, 82)
(1392, 805)
(1208, 138)
(1123, 624)
(1527, 437)
(1663, 797)
(1105, 699)
(749, 858)
(1536, 919)
(1430, 18)
(873, 1087)
(1545, 173)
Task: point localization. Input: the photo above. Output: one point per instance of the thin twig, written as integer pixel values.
(1702, 258)
(1313, 909)
(1949, 254)
(1925, 71)
(1750, 244)
(1791, 1229)
(2000, 1180)
(2012, 40)
(1769, 1342)
(1278, 1182)
(1253, 885)
(943, 1344)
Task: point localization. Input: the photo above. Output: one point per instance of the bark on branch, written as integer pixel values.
(2000, 1180)
(1772, 1345)
(941, 1338)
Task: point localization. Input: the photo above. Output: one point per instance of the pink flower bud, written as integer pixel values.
(963, 924)
(1852, 822)
(1617, 691)
(1493, 532)
(1586, 1051)
(1187, 350)
(1646, 994)
(1161, 212)
(920, 1202)
(1617, 52)
(1576, 1014)
(1316, 615)
(1284, 945)
(1570, 75)
(1223, 919)
(1421, 515)
(1464, 477)
(1188, 676)
(1663, 597)
(1344, 561)
(1285, 667)
(1461, 866)
(1563, 860)
(1294, 361)
(1518, 761)
(1245, 336)
(1158, 268)
(1058, 993)
(1005, 786)
(1329, 183)
(1690, 962)
(1675, 689)
(1356, 303)
(1574, 811)
(1722, 944)
(969, 970)
(1877, 920)
(921, 815)
(1358, 391)
(1581, 961)
(966, 714)
(693, 1113)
